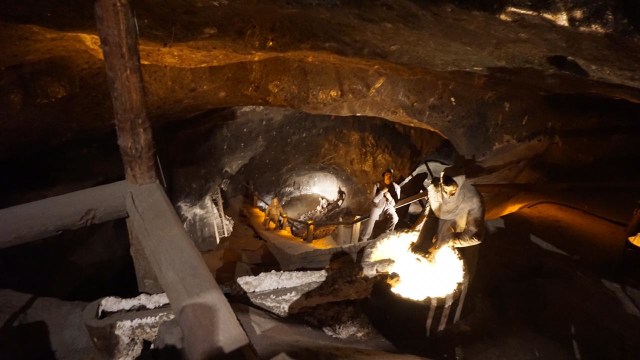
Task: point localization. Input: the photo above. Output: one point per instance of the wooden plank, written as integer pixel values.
(412, 199)
(465, 286)
(119, 41)
(183, 274)
(44, 218)
(432, 311)
(445, 312)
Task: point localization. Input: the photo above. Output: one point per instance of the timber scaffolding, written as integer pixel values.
(164, 256)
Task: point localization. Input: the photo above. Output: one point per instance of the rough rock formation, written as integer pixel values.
(526, 92)
(479, 79)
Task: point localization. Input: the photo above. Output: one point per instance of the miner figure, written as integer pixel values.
(385, 195)
(273, 213)
(454, 213)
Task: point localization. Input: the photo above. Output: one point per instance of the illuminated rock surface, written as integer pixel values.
(277, 92)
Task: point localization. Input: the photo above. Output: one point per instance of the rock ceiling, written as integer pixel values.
(485, 80)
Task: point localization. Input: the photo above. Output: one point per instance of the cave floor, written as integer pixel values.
(548, 285)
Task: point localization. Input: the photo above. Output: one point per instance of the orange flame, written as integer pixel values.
(419, 277)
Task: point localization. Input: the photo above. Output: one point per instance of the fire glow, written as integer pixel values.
(419, 278)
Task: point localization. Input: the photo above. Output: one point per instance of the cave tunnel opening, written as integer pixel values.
(306, 160)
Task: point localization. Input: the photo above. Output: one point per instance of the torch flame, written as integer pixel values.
(419, 277)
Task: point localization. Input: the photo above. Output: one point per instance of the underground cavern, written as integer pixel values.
(143, 145)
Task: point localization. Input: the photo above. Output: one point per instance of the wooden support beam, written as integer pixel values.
(208, 323)
(119, 41)
(40, 219)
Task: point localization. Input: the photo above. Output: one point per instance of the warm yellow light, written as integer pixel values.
(324, 243)
(420, 278)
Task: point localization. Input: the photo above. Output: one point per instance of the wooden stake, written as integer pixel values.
(119, 43)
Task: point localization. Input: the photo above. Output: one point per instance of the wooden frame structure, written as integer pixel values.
(161, 248)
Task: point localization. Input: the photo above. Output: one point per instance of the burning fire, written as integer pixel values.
(419, 278)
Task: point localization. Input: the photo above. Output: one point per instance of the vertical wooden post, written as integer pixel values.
(119, 41)
(208, 324)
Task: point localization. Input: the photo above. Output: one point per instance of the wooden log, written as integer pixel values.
(184, 276)
(119, 41)
(44, 218)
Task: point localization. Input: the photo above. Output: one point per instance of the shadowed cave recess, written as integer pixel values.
(310, 101)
